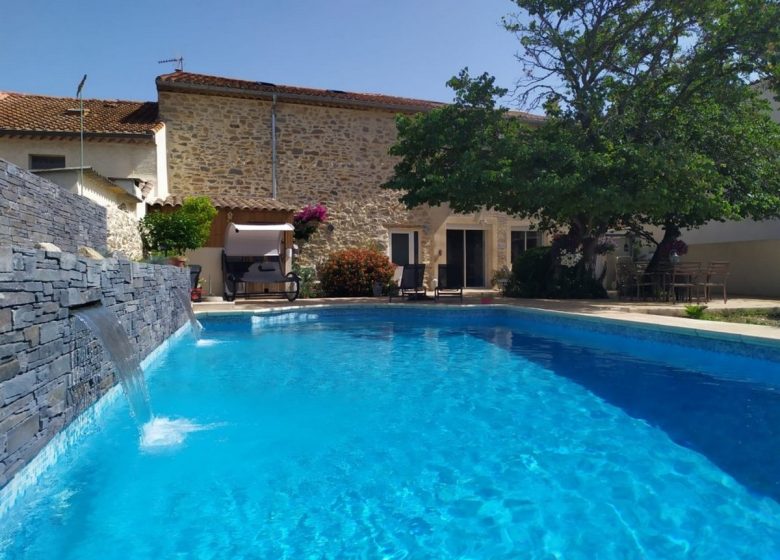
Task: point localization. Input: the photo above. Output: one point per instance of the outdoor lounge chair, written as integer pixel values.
(411, 283)
(449, 282)
(252, 262)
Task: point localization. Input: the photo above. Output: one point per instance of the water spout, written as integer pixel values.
(106, 326)
(183, 296)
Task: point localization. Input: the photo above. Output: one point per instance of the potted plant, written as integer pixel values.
(501, 277)
(171, 234)
(196, 293)
(308, 220)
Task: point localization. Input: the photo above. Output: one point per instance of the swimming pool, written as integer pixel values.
(426, 433)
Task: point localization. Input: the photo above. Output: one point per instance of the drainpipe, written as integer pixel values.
(273, 147)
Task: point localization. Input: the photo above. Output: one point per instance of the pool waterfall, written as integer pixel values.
(105, 325)
(184, 299)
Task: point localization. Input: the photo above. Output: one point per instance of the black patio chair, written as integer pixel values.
(450, 282)
(411, 284)
(194, 275)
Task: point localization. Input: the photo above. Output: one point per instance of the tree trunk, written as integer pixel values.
(671, 232)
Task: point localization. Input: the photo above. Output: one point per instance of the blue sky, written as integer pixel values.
(397, 47)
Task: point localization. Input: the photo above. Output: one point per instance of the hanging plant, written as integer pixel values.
(308, 220)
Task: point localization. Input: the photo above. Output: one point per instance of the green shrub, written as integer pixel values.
(187, 227)
(352, 272)
(535, 276)
(308, 277)
(530, 274)
(695, 311)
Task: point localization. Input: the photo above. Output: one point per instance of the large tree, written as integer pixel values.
(651, 120)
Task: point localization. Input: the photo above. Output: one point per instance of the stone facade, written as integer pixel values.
(123, 234)
(34, 210)
(51, 367)
(332, 155)
(220, 144)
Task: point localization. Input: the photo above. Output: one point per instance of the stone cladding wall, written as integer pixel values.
(123, 234)
(337, 156)
(34, 210)
(51, 366)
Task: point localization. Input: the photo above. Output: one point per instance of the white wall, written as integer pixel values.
(161, 187)
(111, 159)
(730, 231)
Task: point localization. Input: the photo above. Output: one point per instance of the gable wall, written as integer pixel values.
(222, 145)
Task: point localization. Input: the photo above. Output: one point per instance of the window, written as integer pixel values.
(522, 241)
(404, 247)
(46, 162)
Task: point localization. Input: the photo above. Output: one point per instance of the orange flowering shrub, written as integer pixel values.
(352, 272)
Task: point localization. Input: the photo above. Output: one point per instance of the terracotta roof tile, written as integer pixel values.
(230, 202)
(187, 80)
(36, 114)
(203, 83)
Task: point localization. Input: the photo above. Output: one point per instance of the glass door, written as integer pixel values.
(466, 256)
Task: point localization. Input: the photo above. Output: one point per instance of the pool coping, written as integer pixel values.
(709, 330)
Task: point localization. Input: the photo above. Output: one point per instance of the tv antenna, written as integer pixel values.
(179, 62)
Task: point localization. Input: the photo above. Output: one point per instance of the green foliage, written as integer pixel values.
(531, 273)
(651, 121)
(172, 233)
(535, 275)
(695, 311)
(768, 317)
(200, 211)
(352, 272)
(308, 277)
(501, 277)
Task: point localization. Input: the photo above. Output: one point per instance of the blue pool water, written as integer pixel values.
(408, 433)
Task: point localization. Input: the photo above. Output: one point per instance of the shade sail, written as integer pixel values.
(252, 240)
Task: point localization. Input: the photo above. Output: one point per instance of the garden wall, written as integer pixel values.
(51, 367)
(35, 210)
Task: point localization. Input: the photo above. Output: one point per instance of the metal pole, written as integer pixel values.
(81, 114)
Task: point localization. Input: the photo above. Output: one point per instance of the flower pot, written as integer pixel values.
(196, 294)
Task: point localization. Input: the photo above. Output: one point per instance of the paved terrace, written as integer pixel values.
(651, 313)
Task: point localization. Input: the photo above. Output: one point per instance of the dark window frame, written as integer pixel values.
(50, 161)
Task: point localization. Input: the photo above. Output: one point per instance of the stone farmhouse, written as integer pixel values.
(296, 146)
(213, 136)
(262, 151)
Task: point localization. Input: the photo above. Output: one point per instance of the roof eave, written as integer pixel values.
(163, 85)
(71, 134)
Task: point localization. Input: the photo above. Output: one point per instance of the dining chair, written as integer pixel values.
(715, 276)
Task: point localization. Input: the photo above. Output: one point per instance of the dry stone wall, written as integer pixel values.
(51, 367)
(222, 146)
(123, 234)
(34, 210)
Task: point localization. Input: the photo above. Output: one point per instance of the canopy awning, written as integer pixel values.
(264, 227)
(253, 240)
